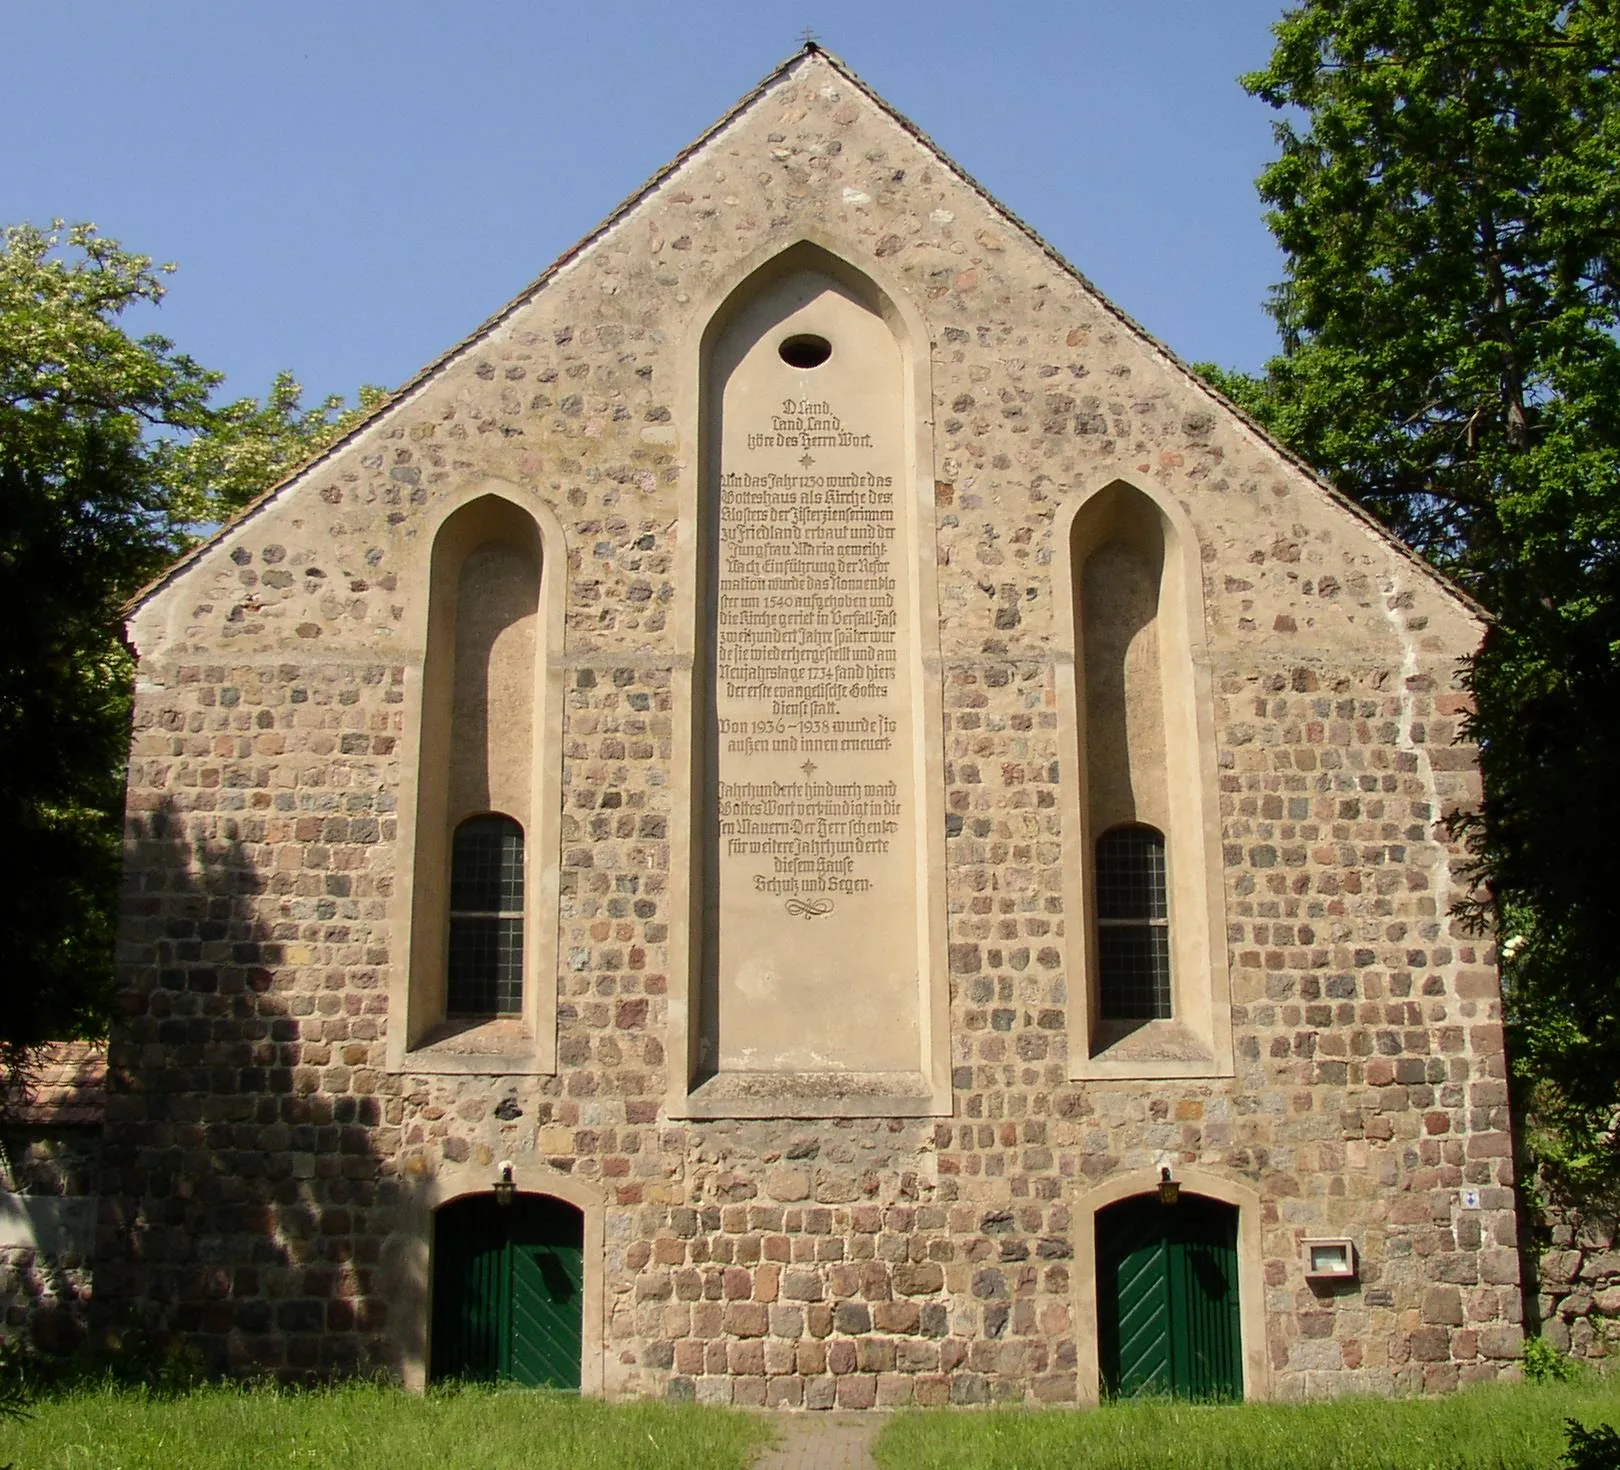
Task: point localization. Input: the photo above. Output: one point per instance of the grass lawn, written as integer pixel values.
(1492, 1427)
(369, 1427)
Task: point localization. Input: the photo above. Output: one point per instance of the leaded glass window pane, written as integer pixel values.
(1135, 960)
(1133, 927)
(486, 919)
(486, 870)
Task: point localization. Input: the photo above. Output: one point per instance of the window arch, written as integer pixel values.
(481, 801)
(1133, 925)
(485, 966)
(791, 1005)
(1149, 994)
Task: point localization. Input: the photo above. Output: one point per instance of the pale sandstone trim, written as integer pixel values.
(416, 987)
(408, 1259)
(1201, 976)
(928, 1092)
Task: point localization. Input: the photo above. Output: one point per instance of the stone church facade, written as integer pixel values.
(744, 835)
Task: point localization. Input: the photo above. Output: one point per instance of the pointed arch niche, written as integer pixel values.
(1149, 994)
(813, 832)
(477, 991)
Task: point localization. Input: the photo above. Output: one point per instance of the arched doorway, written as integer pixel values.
(1167, 1298)
(508, 1290)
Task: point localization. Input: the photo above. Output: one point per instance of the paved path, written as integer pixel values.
(823, 1442)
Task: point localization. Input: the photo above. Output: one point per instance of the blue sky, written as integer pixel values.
(349, 186)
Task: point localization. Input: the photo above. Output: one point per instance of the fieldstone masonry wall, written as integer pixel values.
(260, 1157)
(1576, 1284)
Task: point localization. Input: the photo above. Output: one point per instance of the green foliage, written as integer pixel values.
(1543, 1363)
(1250, 393)
(1490, 1426)
(374, 1427)
(1597, 1448)
(82, 522)
(1445, 194)
(123, 1357)
(14, 1395)
(110, 453)
(250, 445)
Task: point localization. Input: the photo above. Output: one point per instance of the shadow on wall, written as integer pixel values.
(242, 1197)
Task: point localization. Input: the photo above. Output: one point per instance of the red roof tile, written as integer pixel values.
(68, 1086)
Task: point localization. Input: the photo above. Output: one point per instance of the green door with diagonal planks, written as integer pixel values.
(508, 1290)
(1167, 1299)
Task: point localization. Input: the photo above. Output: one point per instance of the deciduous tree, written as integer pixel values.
(112, 455)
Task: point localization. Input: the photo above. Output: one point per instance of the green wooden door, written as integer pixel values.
(547, 1266)
(508, 1291)
(1167, 1299)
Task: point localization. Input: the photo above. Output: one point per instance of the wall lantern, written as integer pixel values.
(1330, 1260)
(504, 1188)
(1169, 1189)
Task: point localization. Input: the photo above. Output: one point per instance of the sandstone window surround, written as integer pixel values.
(484, 721)
(1136, 726)
(803, 984)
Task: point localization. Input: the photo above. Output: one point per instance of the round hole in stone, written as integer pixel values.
(804, 350)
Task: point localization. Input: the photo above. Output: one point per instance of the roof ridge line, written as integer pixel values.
(1169, 354)
(806, 52)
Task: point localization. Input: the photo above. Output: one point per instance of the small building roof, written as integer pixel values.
(66, 1087)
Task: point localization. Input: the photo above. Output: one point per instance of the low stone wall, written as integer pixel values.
(50, 1166)
(1577, 1286)
(47, 1238)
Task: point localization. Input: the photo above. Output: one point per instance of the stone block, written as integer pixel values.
(922, 1279)
(1499, 1267)
(714, 1389)
(786, 1321)
(894, 1390)
(746, 1319)
(800, 1285)
(857, 1391)
(1558, 1267)
(785, 1392)
(852, 1318)
(875, 1354)
(1430, 1344)
(746, 1357)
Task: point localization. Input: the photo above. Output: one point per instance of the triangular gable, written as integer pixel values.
(811, 53)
